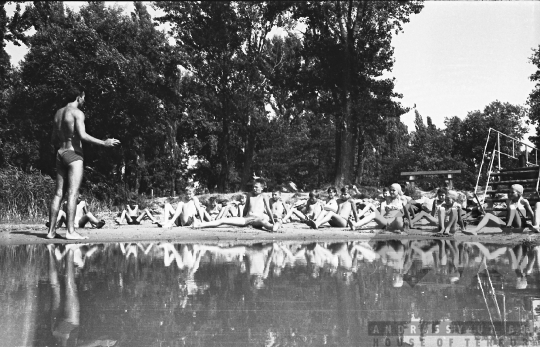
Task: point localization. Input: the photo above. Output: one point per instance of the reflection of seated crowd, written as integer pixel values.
(455, 262)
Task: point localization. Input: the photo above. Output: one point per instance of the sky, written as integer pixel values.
(452, 58)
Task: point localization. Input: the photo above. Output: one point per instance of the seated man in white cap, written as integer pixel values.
(515, 205)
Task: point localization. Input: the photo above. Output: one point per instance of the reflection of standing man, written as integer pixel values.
(65, 323)
(69, 132)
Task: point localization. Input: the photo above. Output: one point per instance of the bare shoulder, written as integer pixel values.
(59, 113)
(76, 113)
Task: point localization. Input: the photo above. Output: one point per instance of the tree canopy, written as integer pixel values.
(290, 91)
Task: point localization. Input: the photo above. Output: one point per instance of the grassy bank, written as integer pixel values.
(25, 197)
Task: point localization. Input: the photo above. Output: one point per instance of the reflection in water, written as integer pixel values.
(274, 294)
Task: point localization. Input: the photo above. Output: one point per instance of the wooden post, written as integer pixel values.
(450, 182)
(411, 180)
(152, 193)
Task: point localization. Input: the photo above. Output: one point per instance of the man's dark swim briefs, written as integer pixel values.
(64, 157)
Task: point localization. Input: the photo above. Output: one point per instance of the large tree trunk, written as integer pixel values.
(224, 157)
(345, 160)
(249, 151)
(361, 159)
(345, 157)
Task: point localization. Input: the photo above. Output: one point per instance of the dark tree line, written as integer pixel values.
(309, 104)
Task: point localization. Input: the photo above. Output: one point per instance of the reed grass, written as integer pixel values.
(24, 196)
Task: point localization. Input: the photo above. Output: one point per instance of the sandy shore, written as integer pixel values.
(17, 234)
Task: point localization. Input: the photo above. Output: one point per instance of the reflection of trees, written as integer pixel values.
(143, 293)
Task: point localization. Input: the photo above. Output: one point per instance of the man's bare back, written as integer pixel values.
(64, 128)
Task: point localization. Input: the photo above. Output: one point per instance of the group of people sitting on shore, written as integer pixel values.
(392, 211)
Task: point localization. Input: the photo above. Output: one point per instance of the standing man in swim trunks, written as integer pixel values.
(68, 133)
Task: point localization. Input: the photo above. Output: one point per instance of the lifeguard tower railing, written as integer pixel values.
(526, 163)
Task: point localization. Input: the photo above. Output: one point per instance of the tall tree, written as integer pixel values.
(129, 74)
(534, 96)
(351, 44)
(222, 44)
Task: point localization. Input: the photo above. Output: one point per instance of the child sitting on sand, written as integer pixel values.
(278, 208)
(431, 215)
(256, 213)
(213, 212)
(346, 206)
(82, 216)
(186, 212)
(515, 205)
(234, 208)
(132, 216)
(307, 211)
(450, 214)
(391, 215)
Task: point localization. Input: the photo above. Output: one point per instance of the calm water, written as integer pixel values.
(387, 293)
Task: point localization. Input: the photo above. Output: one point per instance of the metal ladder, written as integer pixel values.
(499, 180)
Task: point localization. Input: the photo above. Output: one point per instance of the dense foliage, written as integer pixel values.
(291, 91)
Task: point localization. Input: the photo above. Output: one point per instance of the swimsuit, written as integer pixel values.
(64, 157)
(392, 212)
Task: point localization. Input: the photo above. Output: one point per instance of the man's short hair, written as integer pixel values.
(332, 189)
(313, 194)
(72, 94)
(345, 189)
(259, 181)
(443, 190)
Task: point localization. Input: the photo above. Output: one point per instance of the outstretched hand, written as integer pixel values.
(111, 142)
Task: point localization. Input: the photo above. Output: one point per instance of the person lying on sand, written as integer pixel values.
(82, 216)
(257, 213)
(133, 216)
(391, 215)
(186, 213)
(346, 206)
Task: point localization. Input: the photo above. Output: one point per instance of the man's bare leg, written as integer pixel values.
(442, 217)
(327, 218)
(511, 213)
(223, 213)
(423, 214)
(487, 218)
(146, 213)
(234, 221)
(536, 218)
(61, 220)
(168, 223)
(75, 174)
(373, 216)
(61, 181)
(452, 223)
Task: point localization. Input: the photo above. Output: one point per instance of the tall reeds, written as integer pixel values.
(24, 196)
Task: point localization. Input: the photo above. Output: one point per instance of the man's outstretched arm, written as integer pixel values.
(80, 128)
